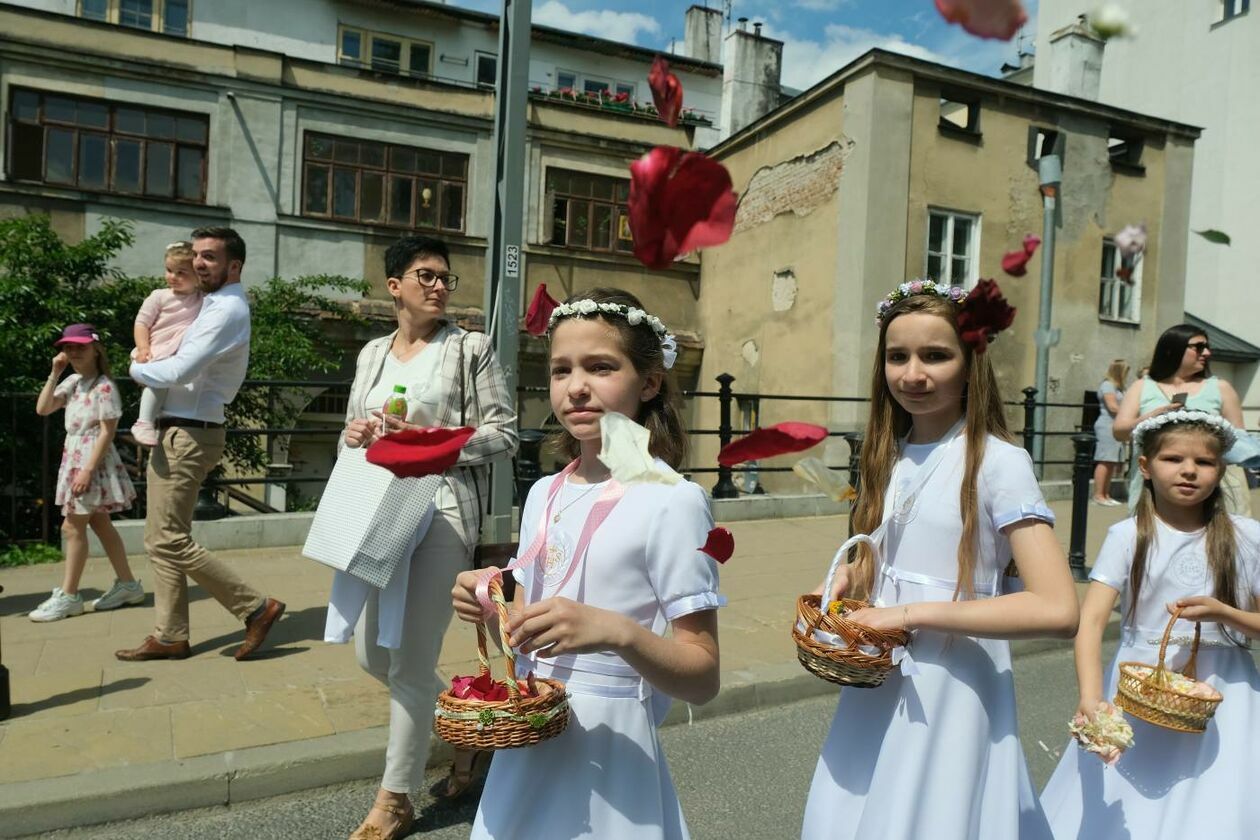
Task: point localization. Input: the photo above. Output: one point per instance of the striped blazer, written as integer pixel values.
(488, 407)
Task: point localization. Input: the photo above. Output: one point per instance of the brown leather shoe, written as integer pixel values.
(154, 648)
(256, 630)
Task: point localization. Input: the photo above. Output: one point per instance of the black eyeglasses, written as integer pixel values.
(429, 279)
(1198, 346)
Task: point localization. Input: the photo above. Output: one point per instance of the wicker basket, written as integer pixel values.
(1152, 698)
(502, 724)
(844, 665)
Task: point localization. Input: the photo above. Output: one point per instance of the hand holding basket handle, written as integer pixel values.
(1150, 694)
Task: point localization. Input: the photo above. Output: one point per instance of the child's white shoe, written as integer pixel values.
(144, 433)
(121, 594)
(59, 606)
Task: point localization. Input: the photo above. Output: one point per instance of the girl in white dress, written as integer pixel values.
(595, 616)
(934, 751)
(1181, 548)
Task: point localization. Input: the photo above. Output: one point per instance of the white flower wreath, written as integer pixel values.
(633, 315)
(1224, 429)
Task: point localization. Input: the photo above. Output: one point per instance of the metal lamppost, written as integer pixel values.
(1049, 176)
(504, 260)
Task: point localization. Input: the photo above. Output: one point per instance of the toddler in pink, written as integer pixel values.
(163, 319)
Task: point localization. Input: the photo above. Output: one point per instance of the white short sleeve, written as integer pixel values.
(1115, 558)
(108, 403)
(1247, 533)
(1010, 490)
(684, 578)
(533, 508)
(66, 387)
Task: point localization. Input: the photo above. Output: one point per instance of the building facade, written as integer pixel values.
(895, 168)
(1199, 63)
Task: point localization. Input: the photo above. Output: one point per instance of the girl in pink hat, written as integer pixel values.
(92, 482)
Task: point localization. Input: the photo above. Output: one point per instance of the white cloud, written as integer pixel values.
(603, 23)
(806, 61)
(820, 5)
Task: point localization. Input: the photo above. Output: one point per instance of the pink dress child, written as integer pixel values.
(167, 316)
(88, 402)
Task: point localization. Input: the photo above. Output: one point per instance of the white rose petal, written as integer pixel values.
(624, 450)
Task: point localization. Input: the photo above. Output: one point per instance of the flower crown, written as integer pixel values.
(1221, 427)
(586, 307)
(917, 287)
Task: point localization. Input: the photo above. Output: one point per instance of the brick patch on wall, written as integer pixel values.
(794, 186)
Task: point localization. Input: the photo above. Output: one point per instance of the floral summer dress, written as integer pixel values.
(88, 402)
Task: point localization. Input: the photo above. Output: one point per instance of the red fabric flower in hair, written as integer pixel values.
(984, 314)
(1015, 263)
(418, 452)
(778, 439)
(667, 91)
(539, 314)
(679, 201)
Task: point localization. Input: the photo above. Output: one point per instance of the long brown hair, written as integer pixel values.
(889, 422)
(1222, 543)
(661, 415)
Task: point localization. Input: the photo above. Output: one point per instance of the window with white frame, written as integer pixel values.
(169, 17)
(1120, 286)
(952, 245)
(1231, 9)
(487, 69)
(385, 53)
(566, 79)
(595, 85)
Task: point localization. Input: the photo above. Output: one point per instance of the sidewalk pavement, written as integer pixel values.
(92, 739)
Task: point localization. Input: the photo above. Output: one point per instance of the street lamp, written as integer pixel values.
(1048, 152)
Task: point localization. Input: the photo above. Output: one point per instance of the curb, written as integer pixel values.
(122, 793)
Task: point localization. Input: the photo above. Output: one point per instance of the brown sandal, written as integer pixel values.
(460, 779)
(406, 816)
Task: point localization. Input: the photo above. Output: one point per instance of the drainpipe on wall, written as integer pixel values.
(1049, 174)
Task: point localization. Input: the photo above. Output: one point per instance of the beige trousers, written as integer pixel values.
(410, 671)
(178, 465)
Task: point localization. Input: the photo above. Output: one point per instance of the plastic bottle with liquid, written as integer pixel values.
(396, 403)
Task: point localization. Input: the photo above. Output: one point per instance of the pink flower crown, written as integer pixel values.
(917, 287)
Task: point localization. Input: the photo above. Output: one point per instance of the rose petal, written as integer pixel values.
(679, 202)
(720, 545)
(1131, 240)
(778, 439)
(667, 91)
(1015, 263)
(538, 316)
(832, 483)
(999, 19)
(624, 449)
(418, 452)
(983, 315)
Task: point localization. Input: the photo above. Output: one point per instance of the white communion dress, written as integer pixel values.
(1171, 784)
(934, 752)
(605, 776)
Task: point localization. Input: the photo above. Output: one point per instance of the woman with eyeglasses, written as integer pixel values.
(451, 378)
(1180, 377)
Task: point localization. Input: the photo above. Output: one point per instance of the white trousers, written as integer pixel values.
(410, 671)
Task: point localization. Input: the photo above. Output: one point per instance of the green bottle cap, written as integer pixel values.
(400, 389)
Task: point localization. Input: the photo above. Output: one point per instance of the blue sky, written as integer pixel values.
(819, 36)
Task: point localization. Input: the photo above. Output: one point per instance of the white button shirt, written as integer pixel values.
(206, 372)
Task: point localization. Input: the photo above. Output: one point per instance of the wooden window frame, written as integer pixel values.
(947, 256)
(1111, 286)
(388, 172)
(113, 15)
(619, 223)
(112, 134)
(366, 39)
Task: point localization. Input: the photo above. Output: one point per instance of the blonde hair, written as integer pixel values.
(1117, 372)
(889, 422)
(180, 251)
(1222, 543)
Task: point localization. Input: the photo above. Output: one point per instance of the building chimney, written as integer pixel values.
(743, 24)
(703, 34)
(751, 68)
(757, 29)
(1075, 60)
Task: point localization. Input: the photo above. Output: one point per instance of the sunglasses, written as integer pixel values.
(1198, 346)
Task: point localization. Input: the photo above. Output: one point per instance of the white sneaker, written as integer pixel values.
(59, 606)
(120, 595)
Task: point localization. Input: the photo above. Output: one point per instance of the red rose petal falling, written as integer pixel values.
(418, 452)
(538, 315)
(679, 201)
(778, 439)
(720, 545)
(999, 19)
(667, 91)
(1015, 263)
(984, 314)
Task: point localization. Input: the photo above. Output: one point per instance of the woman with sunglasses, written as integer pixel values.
(1180, 377)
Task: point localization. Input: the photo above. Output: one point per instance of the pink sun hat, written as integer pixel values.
(78, 334)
